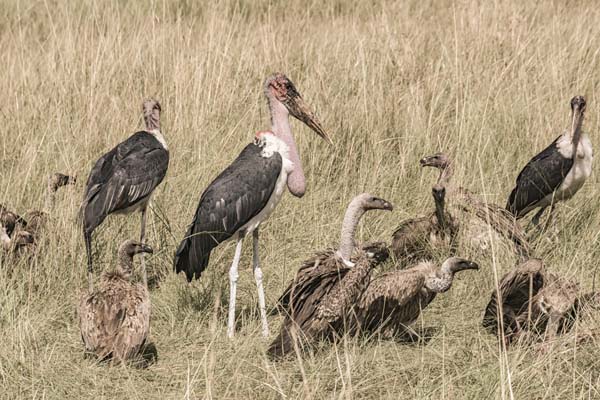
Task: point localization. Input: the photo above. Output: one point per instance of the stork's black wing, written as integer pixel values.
(542, 175)
(238, 194)
(123, 177)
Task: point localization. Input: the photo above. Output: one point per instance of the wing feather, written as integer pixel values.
(237, 195)
(542, 175)
(123, 177)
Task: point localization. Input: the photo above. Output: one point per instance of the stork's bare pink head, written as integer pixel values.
(281, 87)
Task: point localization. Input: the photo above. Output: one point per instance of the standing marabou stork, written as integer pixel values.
(245, 193)
(123, 180)
(557, 173)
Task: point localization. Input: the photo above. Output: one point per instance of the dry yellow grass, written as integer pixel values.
(488, 82)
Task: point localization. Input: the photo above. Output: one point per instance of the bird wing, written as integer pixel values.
(123, 177)
(410, 241)
(542, 175)
(514, 288)
(391, 293)
(134, 327)
(100, 316)
(310, 269)
(237, 195)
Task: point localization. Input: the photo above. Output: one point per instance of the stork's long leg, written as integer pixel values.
(143, 241)
(549, 219)
(233, 277)
(88, 249)
(258, 276)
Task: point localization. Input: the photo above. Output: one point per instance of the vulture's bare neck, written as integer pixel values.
(125, 266)
(445, 174)
(353, 214)
(4, 238)
(50, 197)
(439, 212)
(441, 281)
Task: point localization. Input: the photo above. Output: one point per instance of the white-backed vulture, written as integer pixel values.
(319, 301)
(115, 318)
(38, 219)
(534, 303)
(12, 239)
(394, 300)
(481, 222)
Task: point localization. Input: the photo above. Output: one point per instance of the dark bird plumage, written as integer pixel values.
(236, 196)
(115, 318)
(123, 178)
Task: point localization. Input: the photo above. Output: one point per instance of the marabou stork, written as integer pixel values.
(245, 193)
(319, 301)
(123, 180)
(115, 318)
(394, 300)
(557, 173)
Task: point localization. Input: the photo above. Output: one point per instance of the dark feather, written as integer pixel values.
(238, 194)
(123, 177)
(542, 175)
(514, 288)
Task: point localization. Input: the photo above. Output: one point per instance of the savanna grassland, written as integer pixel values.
(488, 82)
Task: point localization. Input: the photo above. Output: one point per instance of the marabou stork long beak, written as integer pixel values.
(299, 109)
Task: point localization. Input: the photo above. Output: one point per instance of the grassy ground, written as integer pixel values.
(488, 82)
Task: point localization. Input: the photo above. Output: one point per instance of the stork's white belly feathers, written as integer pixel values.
(579, 172)
(272, 144)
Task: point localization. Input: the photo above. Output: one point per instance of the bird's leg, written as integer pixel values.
(549, 219)
(233, 277)
(258, 276)
(536, 218)
(143, 241)
(88, 249)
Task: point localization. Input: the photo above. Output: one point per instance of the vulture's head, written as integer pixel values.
(130, 248)
(58, 180)
(558, 298)
(370, 202)
(438, 160)
(456, 264)
(439, 193)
